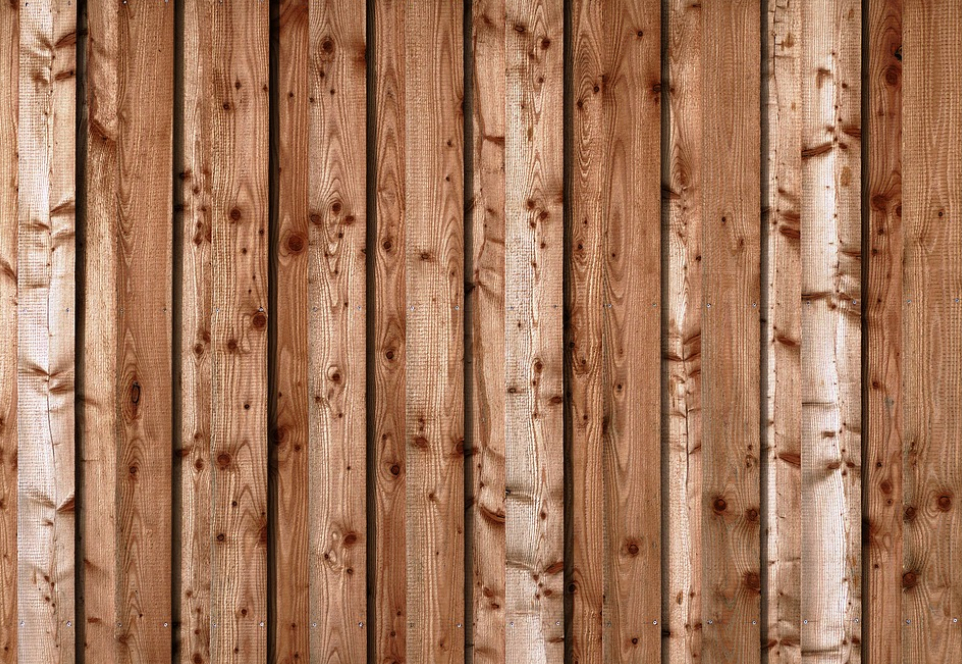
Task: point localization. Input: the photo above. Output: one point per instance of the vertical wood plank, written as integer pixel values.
(884, 401)
(9, 108)
(831, 334)
(616, 320)
(932, 325)
(434, 256)
(239, 51)
(336, 364)
(290, 400)
(683, 597)
(585, 271)
(390, 330)
(46, 265)
(196, 379)
(631, 92)
(730, 405)
(101, 310)
(144, 157)
(485, 309)
(534, 356)
(783, 518)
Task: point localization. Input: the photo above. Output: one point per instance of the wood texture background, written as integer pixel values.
(504, 331)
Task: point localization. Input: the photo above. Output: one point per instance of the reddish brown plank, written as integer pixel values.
(932, 332)
(884, 288)
(336, 331)
(9, 108)
(237, 52)
(289, 400)
(730, 333)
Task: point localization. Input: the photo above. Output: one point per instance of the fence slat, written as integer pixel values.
(682, 484)
(336, 332)
(485, 302)
(434, 255)
(783, 518)
(144, 157)
(882, 462)
(534, 355)
(46, 268)
(289, 289)
(730, 366)
(196, 397)
(390, 331)
(238, 106)
(9, 109)
(932, 325)
(616, 233)
(831, 335)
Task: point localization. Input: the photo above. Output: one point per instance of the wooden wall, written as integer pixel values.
(504, 331)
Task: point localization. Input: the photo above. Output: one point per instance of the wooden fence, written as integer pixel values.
(506, 331)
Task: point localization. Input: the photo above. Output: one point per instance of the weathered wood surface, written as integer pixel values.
(882, 461)
(556, 472)
(932, 332)
(46, 308)
(290, 401)
(337, 204)
(9, 227)
(615, 332)
(730, 365)
(236, 49)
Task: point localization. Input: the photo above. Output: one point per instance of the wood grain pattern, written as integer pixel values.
(390, 330)
(730, 402)
(238, 39)
(932, 328)
(783, 519)
(485, 309)
(585, 310)
(682, 484)
(144, 157)
(101, 359)
(434, 258)
(831, 334)
(46, 309)
(290, 399)
(9, 103)
(9, 109)
(618, 128)
(883, 341)
(336, 330)
(196, 378)
(632, 94)
(534, 356)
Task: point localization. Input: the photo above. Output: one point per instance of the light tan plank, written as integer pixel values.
(46, 256)
(783, 520)
(932, 329)
(336, 332)
(831, 335)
